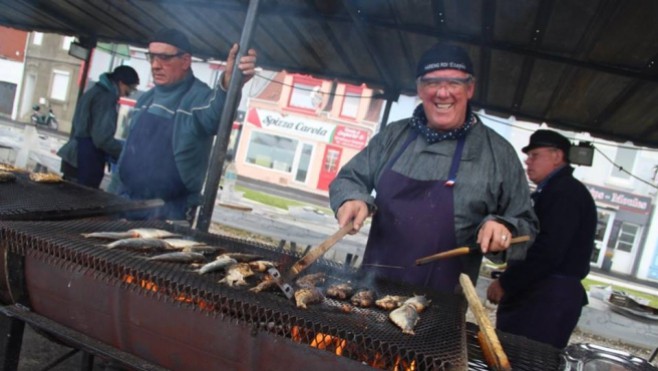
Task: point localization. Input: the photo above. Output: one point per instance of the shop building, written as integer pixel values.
(299, 131)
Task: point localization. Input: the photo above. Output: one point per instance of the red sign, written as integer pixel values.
(350, 137)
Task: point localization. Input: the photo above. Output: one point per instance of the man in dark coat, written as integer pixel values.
(92, 140)
(541, 297)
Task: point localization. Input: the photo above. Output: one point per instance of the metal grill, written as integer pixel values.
(365, 336)
(28, 200)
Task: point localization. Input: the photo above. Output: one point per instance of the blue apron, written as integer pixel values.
(148, 168)
(547, 312)
(91, 163)
(414, 219)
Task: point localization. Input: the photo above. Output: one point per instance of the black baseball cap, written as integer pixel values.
(548, 138)
(173, 37)
(444, 56)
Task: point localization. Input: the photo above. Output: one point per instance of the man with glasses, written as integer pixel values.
(541, 297)
(172, 128)
(94, 124)
(442, 180)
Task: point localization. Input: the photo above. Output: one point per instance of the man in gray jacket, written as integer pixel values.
(442, 180)
(92, 141)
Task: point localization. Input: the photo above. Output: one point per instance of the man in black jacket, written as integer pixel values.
(541, 297)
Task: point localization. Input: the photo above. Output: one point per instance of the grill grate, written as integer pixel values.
(28, 200)
(364, 335)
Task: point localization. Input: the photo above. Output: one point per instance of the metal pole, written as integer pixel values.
(218, 154)
(387, 112)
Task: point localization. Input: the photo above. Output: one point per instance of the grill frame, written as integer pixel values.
(56, 263)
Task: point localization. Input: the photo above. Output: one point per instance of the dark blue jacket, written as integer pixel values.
(567, 223)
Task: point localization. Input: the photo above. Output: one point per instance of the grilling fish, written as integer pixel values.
(203, 249)
(140, 244)
(390, 302)
(132, 233)
(236, 274)
(308, 295)
(363, 298)
(6, 177)
(311, 280)
(405, 318)
(45, 177)
(242, 257)
(419, 302)
(261, 265)
(221, 262)
(267, 283)
(179, 257)
(7, 167)
(340, 291)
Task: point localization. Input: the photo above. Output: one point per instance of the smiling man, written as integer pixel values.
(171, 132)
(442, 180)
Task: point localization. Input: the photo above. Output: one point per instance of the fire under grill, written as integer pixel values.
(25, 199)
(168, 314)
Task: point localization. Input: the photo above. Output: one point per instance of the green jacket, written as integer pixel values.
(96, 118)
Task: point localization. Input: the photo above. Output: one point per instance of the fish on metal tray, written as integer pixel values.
(236, 274)
(203, 249)
(242, 257)
(419, 302)
(267, 283)
(45, 177)
(221, 262)
(390, 302)
(340, 291)
(311, 280)
(308, 295)
(261, 265)
(140, 244)
(405, 317)
(132, 233)
(181, 243)
(363, 298)
(179, 257)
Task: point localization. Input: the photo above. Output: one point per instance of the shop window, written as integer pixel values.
(302, 94)
(304, 162)
(627, 234)
(625, 158)
(271, 151)
(351, 101)
(60, 85)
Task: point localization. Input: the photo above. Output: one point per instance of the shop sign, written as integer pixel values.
(624, 200)
(291, 125)
(350, 137)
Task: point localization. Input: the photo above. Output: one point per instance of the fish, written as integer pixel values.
(179, 257)
(45, 177)
(8, 167)
(140, 244)
(308, 295)
(405, 317)
(390, 302)
(419, 302)
(341, 291)
(363, 298)
(221, 262)
(203, 249)
(261, 265)
(6, 177)
(180, 243)
(132, 233)
(242, 257)
(236, 274)
(311, 280)
(267, 283)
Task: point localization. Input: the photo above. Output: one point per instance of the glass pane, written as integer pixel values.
(301, 96)
(60, 85)
(304, 161)
(271, 151)
(350, 105)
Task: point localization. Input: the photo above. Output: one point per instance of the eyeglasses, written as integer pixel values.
(452, 84)
(162, 57)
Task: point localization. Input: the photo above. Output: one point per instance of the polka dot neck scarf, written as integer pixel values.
(418, 122)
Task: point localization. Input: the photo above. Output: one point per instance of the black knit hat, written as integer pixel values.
(548, 138)
(173, 37)
(443, 56)
(125, 74)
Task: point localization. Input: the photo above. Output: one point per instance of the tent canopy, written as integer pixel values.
(577, 65)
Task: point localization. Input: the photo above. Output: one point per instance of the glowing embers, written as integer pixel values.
(344, 348)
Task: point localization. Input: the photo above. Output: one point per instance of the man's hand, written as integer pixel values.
(247, 65)
(495, 292)
(352, 210)
(494, 236)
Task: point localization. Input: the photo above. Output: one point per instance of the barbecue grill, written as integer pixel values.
(25, 199)
(168, 314)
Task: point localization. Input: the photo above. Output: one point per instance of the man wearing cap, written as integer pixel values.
(442, 180)
(92, 141)
(541, 297)
(172, 128)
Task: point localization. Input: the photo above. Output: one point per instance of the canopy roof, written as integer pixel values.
(584, 65)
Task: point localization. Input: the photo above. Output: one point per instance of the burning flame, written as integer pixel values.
(152, 286)
(341, 347)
